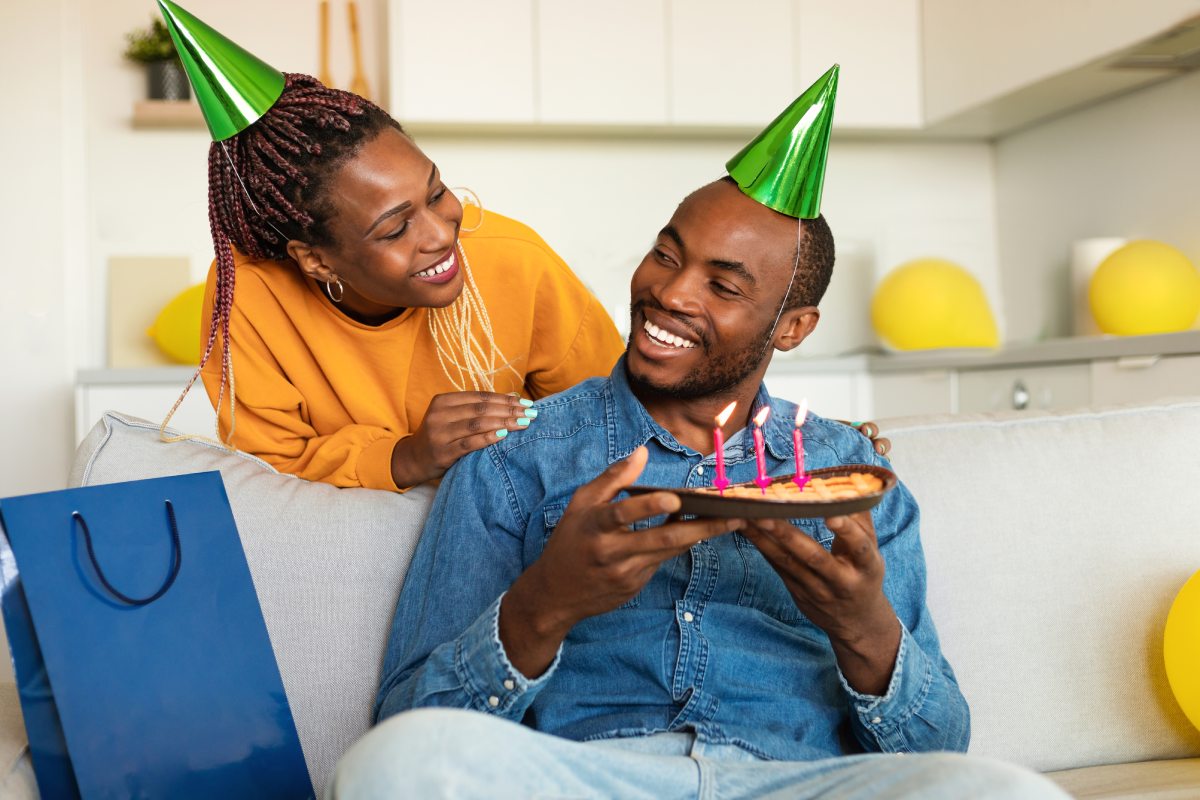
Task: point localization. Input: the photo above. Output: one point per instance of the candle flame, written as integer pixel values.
(724, 416)
(760, 418)
(802, 412)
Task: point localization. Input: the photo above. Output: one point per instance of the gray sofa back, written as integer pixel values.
(1055, 544)
(327, 565)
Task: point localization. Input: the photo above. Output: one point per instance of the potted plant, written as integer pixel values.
(152, 46)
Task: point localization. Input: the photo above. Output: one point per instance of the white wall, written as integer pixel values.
(41, 224)
(600, 202)
(1129, 168)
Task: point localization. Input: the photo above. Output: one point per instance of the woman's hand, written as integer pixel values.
(871, 431)
(456, 423)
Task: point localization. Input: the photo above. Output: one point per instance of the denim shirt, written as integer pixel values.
(713, 643)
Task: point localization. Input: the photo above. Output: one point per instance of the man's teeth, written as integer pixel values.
(438, 269)
(662, 336)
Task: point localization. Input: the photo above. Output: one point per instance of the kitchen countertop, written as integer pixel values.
(1079, 348)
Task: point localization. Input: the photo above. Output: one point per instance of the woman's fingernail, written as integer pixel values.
(526, 403)
(856, 424)
(500, 434)
(531, 412)
(524, 422)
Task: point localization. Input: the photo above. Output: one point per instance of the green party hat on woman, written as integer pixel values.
(233, 87)
(784, 167)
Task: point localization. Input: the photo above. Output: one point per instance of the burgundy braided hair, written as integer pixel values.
(266, 186)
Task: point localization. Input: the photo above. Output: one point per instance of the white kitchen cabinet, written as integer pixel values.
(1144, 379)
(602, 64)
(1020, 388)
(902, 394)
(989, 55)
(877, 43)
(145, 393)
(462, 62)
(835, 395)
(731, 64)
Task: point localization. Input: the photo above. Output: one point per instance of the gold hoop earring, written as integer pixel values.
(470, 198)
(341, 290)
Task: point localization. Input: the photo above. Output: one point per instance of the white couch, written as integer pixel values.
(1055, 544)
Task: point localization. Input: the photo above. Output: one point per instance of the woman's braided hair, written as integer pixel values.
(266, 186)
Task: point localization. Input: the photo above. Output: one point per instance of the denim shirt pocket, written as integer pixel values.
(552, 514)
(762, 588)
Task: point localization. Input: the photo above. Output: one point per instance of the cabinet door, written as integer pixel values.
(455, 62)
(903, 394)
(877, 42)
(1059, 386)
(978, 52)
(835, 395)
(148, 401)
(1144, 379)
(716, 80)
(602, 64)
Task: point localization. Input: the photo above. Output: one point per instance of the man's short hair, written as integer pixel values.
(816, 253)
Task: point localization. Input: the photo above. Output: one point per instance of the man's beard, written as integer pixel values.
(721, 372)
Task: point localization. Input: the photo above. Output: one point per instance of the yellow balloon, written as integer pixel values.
(930, 303)
(176, 330)
(1145, 287)
(1181, 648)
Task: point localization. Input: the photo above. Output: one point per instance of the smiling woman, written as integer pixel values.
(372, 340)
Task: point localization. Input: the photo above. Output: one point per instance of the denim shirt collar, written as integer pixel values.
(630, 425)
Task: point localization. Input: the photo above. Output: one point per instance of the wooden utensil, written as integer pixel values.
(323, 39)
(358, 82)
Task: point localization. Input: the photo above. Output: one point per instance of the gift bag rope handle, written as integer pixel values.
(133, 601)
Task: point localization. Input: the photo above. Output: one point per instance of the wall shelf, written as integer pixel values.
(152, 114)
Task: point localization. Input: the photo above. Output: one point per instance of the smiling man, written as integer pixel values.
(553, 639)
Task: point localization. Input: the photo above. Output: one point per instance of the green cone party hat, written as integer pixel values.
(784, 167)
(233, 87)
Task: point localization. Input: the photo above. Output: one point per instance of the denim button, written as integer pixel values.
(699, 470)
(493, 701)
(876, 720)
(508, 684)
(688, 616)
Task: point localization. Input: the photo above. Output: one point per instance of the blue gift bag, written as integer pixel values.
(140, 651)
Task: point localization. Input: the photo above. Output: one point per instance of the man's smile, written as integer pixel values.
(666, 338)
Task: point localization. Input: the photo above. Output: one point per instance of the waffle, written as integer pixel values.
(816, 490)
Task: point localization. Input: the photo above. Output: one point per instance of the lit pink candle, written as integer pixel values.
(719, 446)
(760, 455)
(798, 443)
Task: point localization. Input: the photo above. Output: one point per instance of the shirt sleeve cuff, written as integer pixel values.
(374, 467)
(494, 685)
(911, 678)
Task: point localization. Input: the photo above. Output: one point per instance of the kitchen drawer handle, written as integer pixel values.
(1137, 362)
(1020, 396)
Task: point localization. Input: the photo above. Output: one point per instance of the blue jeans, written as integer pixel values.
(432, 753)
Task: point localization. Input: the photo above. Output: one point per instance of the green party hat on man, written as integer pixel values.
(233, 87)
(784, 167)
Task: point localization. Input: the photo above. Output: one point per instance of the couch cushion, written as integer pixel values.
(327, 565)
(16, 779)
(1055, 544)
(1152, 780)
